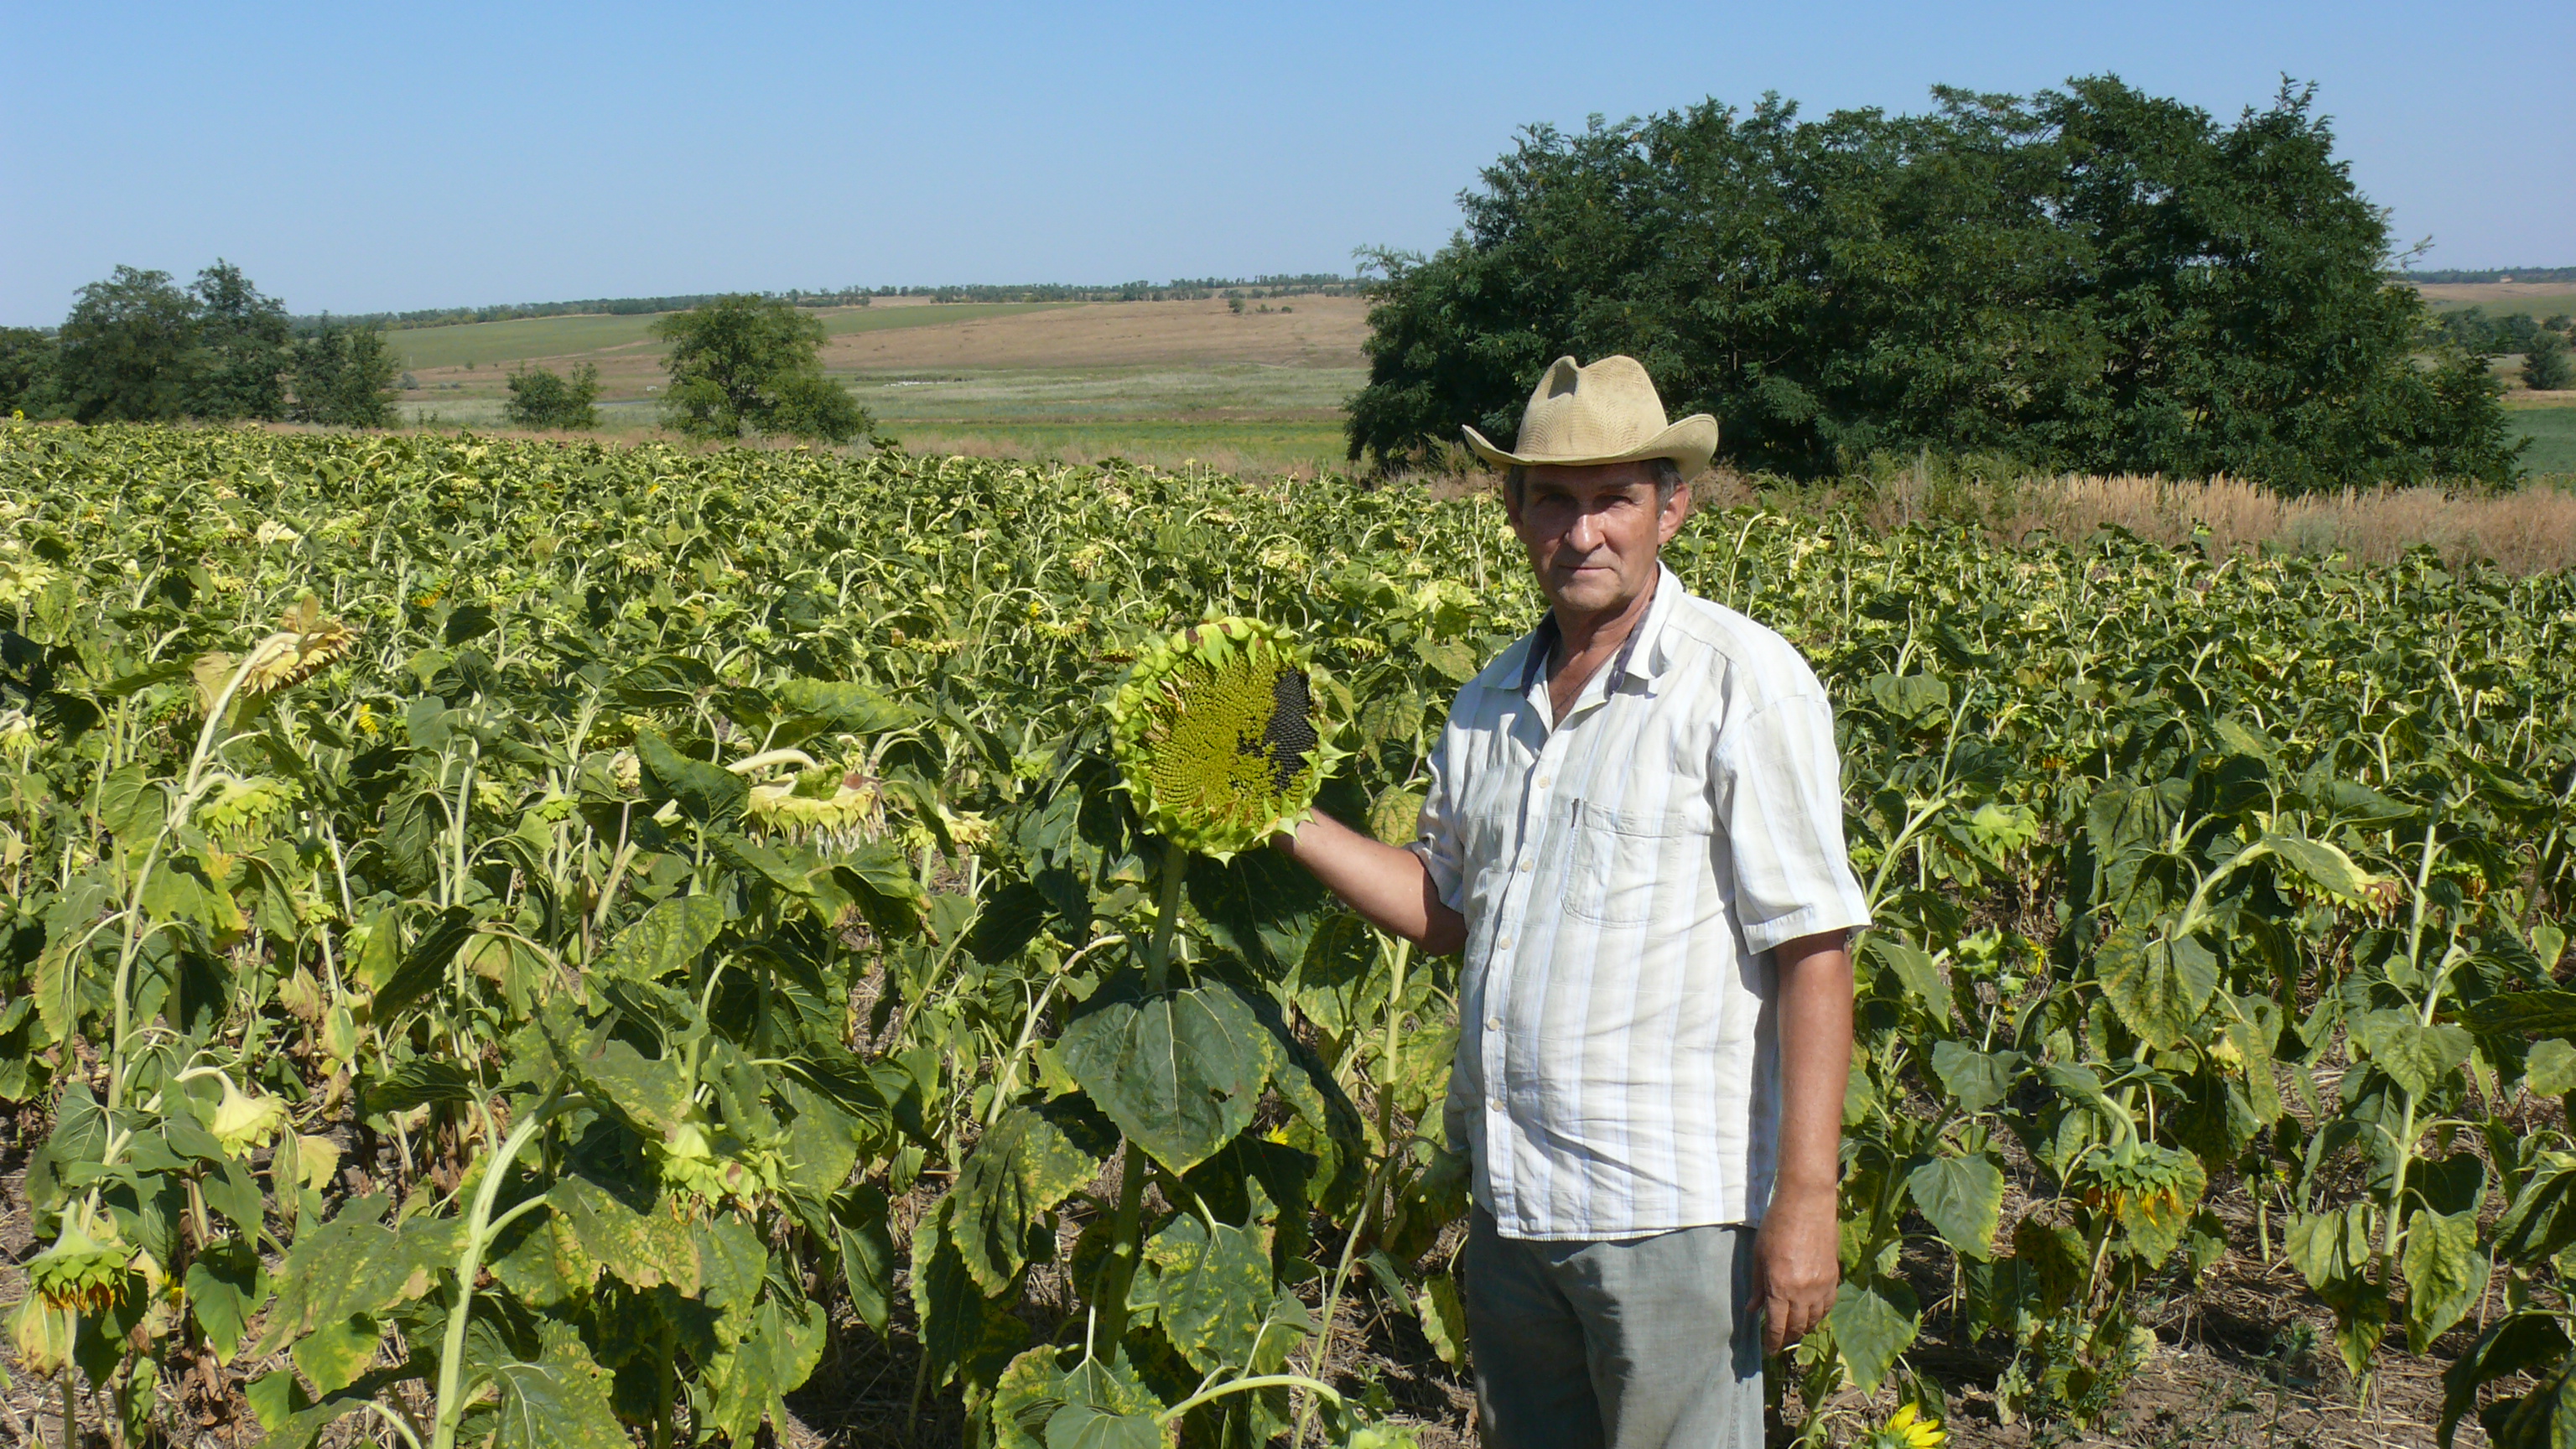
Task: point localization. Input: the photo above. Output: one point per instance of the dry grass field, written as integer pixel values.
(2540, 299)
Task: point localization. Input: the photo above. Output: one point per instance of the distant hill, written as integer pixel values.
(1181, 289)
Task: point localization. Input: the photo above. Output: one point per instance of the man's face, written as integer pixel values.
(1592, 532)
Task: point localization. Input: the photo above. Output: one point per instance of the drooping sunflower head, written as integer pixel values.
(1218, 737)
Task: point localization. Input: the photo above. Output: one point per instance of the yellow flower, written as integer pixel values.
(1908, 1428)
(244, 1122)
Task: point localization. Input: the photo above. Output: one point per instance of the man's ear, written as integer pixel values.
(1676, 509)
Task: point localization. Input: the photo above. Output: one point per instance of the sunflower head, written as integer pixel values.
(84, 1271)
(304, 645)
(1217, 735)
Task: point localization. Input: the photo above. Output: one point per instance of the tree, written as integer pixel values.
(743, 362)
(27, 373)
(123, 353)
(344, 377)
(2545, 366)
(541, 398)
(2095, 279)
(243, 349)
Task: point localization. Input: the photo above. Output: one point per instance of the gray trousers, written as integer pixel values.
(1642, 1343)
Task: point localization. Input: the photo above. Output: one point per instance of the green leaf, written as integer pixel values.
(2414, 1056)
(644, 1249)
(1212, 1285)
(2550, 1069)
(651, 1093)
(1917, 972)
(1010, 920)
(665, 939)
(130, 805)
(2331, 1249)
(1261, 906)
(540, 1258)
(1963, 1199)
(351, 1266)
(1444, 1319)
(1080, 1426)
(877, 883)
(752, 1378)
(558, 1402)
(841, 706)
(957, 1330)
(2542, 1217)
(2445, 1274)
(867, 1255)
(334, 1355)
(2159, 987)
(424, 966)
(1021, 1169)
(2322, 864)
(415, 1083)
(1977, 1079)
(708, 794)
(1453, 659)
(2524, 1013)
(1870, 1329)
(226, 1285)
(2515, 1344)
(1179, 1073)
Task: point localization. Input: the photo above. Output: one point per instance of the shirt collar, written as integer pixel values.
(1632, 661)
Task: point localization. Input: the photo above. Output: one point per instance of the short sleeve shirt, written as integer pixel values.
(1625, 876)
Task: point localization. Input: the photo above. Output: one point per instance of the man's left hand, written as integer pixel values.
(1796, 1267)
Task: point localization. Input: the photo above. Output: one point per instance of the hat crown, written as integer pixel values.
(1587, 412)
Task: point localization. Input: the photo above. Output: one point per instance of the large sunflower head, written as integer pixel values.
(1218, 737)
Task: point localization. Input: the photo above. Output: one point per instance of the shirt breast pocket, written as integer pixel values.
(1620, 861)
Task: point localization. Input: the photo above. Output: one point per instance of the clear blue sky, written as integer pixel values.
(364, 158)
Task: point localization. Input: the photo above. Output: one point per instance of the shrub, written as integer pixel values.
(2545, 367)
(542, 398)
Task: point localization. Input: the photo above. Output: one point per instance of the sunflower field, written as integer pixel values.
(518, 943)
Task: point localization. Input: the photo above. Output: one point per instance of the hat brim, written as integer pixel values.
(1689, 443)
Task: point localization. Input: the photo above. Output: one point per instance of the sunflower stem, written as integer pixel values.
(1167, 916)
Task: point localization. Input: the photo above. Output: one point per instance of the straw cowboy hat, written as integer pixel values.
(1605, 413)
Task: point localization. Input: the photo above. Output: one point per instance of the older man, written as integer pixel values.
(1634, 832)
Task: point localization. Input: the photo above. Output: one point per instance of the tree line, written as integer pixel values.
(2095, 279)
(138, 347)
(2543, 345)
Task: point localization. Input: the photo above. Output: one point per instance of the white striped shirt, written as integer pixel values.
(1625, 876)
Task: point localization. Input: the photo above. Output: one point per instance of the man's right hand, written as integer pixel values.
(1387, 885)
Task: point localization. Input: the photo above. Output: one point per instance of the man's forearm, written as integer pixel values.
(1815, 996)
(1388, 886)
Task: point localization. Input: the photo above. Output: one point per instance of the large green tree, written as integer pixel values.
(753, 363)
(243, 350)
(123, 354)
(2094, 279)
(28, 379)
(344, 377)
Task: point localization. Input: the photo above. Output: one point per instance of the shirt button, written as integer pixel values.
(1504, 944)
(1493, 1023)
(1494, 1105)
(1544, 782)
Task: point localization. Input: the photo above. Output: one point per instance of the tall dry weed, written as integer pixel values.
(2530, 530)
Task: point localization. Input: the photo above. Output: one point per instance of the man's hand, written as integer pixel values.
(1797, 1254)
(1796, 1267)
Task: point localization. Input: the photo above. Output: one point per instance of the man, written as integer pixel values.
(1634, 832)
